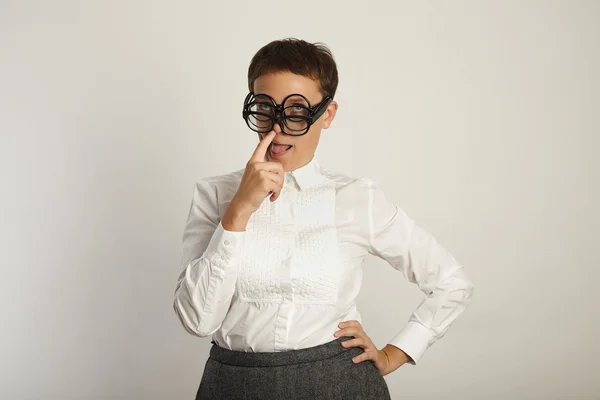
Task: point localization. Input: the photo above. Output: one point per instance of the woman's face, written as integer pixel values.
(279, 86)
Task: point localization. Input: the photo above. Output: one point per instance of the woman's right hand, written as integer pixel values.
(260, 180)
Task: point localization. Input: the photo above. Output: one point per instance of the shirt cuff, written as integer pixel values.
(223, 247)
(414, 340)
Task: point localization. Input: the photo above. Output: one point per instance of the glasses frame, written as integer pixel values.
(314, 113)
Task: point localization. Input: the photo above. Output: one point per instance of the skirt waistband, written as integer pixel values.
(280, 358)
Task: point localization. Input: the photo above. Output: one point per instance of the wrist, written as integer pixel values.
(387, 362)
(236, 218)
(395, 356)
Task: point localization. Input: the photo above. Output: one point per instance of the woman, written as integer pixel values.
(273, 254)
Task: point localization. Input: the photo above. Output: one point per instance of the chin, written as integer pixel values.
(286, 161)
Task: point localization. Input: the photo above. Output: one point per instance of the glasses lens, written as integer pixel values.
(296, 106)
(295, 115)
(259, 124)
(261, 114)
(295, 126)
(262, 104)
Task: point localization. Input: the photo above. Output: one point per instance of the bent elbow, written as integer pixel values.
(468, 288)
(193, 320)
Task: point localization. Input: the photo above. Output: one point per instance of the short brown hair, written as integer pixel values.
(312, 60)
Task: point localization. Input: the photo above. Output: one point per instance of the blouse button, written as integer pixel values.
(227, 242)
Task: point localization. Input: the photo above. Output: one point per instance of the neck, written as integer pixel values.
(300, 164)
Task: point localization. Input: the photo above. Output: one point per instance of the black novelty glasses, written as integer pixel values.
(294, 115)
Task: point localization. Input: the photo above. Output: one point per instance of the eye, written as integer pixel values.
(296, 110)
(265, 108)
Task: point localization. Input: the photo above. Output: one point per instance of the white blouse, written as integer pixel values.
(288, 280)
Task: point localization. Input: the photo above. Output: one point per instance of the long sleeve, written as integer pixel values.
(394, 237)
(209, 267)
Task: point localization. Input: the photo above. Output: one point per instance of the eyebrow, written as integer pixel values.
(290, 96)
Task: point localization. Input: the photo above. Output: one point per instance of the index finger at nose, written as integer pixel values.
(261, 149)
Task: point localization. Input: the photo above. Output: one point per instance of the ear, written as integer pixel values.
(329, 114)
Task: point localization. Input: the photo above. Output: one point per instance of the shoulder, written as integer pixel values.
(232, 178)
(362, 192)
(345, 182)
(218, 186)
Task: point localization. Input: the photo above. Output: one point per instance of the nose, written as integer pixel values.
(277, 128)
(278, 132)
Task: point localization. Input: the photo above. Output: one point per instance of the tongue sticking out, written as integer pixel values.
(279, 148)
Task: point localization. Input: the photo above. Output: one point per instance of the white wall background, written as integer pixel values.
(480, 118)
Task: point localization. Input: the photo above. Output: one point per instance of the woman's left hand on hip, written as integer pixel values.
(354, 328)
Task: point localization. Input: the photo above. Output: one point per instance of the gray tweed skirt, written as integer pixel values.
(321, 372)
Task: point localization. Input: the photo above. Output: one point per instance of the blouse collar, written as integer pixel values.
(308, 175)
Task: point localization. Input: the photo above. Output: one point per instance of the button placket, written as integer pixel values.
(291, 196)
(288, 235)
